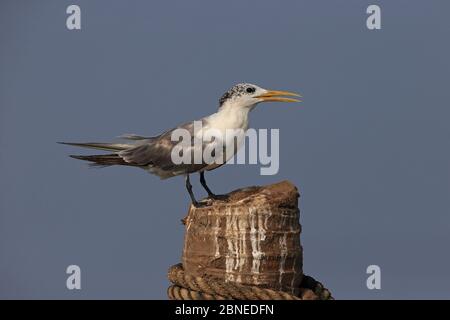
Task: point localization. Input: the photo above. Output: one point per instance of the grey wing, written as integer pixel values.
(156, 153)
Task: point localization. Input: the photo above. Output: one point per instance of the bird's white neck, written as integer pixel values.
(230, 117)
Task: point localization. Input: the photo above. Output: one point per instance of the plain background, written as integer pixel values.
(368, 148)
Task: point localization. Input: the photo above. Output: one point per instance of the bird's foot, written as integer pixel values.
(197, 204)
(222, 197)
(209, 200)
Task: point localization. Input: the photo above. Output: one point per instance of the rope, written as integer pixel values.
(187, 287)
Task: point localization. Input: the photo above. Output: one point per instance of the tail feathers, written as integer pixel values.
(131, 136)
(103, 160)
(100, 146)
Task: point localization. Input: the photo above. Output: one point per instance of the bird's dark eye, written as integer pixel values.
(250, 90)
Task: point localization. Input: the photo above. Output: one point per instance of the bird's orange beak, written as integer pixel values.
(276, 95)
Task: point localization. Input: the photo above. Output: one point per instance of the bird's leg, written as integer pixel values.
(203, 182)
(191, 194)
(210, 193)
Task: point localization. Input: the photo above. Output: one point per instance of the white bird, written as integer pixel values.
(154, 154)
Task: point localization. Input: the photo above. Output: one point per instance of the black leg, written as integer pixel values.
(189, 189)
(210, 193)
(203, 182)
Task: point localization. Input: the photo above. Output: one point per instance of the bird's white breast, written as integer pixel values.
(229, 118)
(232, 123)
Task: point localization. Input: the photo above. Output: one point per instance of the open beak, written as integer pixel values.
(275, 95)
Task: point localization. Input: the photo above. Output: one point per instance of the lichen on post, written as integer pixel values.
(252, 238)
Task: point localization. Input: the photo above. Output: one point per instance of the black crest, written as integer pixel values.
(235, 91)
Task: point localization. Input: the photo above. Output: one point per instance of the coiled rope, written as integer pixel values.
(188, 287)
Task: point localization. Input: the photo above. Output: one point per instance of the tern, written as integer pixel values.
(154, 154)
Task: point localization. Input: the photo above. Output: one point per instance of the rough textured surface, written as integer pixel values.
(252, 238)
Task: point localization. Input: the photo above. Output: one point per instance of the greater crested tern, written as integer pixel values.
(154, 154)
